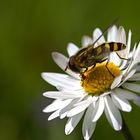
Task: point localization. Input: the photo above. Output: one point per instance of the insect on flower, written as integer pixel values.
(96, 91)
(91, 55)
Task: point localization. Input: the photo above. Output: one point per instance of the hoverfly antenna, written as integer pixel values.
(114, 21)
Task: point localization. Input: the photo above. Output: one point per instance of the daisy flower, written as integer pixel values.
(95, 91)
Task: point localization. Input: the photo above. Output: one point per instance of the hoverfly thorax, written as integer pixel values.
(81, 60)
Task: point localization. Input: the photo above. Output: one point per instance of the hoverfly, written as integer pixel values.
(91, 55)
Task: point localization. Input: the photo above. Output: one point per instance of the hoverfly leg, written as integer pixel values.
(106, 65)
(122, 57)
(94, 66)
(86, 69)
(82, 76)
(108, 68)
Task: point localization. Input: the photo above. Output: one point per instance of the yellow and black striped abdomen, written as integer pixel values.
(108, 47)
(114, 46)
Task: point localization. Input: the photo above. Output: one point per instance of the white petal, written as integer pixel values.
(132, 61)
(54, 115)
(129, 75)
(120, 102)
(65, 110)
(121, 36)
(89, 99)
(79, 107)
(96, 34)
(112, 113)
(62, 62)
(124, 65)
(114, 58)
(61, 106)
(72, 123)
(61, 95)
(135, 77)
(130, 96)
(135, 57)
(129, 42)
(60, 59)
(105, 93)
(116, 82)
(72, 49)
(61, 80)
(138, 68)
(99, 108)
(132, 87)
(137, 53)
(86, 40)
(63, 115)
(112, 34)
(88, 126)
(57, 104)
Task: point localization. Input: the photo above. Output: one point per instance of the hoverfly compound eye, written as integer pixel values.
(70, 62)
(72, 65)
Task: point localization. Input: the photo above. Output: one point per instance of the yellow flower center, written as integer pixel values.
(97, 80)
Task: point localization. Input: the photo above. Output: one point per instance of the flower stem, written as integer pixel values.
(126, 132)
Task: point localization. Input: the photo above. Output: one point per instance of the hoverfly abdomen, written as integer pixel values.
(108, 47)
(115, 46)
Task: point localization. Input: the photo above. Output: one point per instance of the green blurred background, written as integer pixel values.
(29, 31)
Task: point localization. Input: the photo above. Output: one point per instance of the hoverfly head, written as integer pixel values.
(72, 65)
